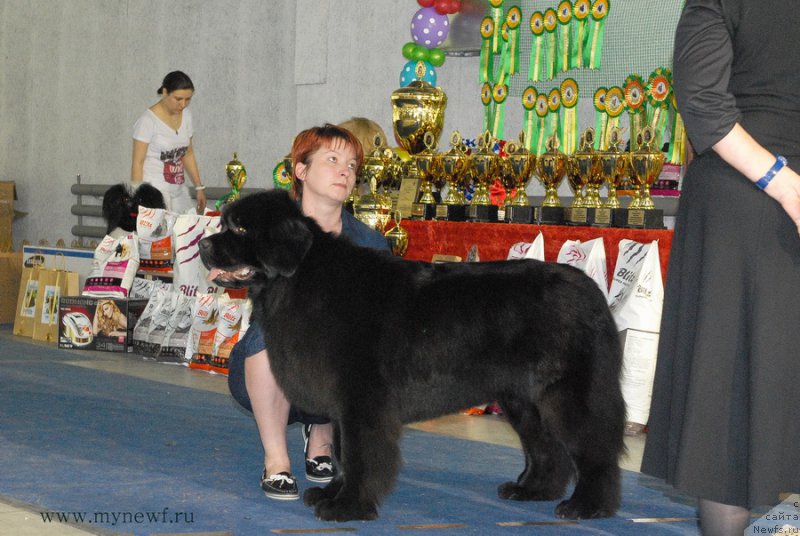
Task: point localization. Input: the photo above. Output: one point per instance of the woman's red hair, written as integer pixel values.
(310, 140)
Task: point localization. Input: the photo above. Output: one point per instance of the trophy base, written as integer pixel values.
(550, 215)
(520, 214)
(451, 212)
(601, 217)
(482, 213)
(423, 211)
(576, 215)
(638, 218)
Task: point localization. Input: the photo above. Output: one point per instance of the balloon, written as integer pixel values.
(425, 3)
(429, 28)
(420, 53)
(408, 74)
(436, 57)
(408, 50)
(442, 7)
(455, 6)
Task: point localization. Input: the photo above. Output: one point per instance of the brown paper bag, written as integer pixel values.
(26, 301)
(52, 285)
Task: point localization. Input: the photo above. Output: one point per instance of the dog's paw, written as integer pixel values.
(514, 492)
(314, 495)
(338, 510)
(577, 509)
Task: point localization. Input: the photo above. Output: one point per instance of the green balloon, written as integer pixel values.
(408, 50)
(420, 53)
(436, 57)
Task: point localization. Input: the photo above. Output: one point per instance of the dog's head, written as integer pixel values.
(121, 207)
(263, 236)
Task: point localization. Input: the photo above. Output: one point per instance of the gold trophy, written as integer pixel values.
(484, 164)
(453, 164)
(237, 176)
(646, 164)
(417, 109)
(550, 168)
(428, 165)
(397, 236)
(614, 166)
(521, 162)
(374, 208)
(579, 172)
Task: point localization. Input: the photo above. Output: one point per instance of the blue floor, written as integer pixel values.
(119, 450)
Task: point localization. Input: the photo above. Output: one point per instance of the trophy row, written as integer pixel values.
(445, 177)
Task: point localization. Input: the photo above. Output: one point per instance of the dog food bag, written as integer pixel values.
(176, 334)
(154, 228)
(141, 332)
(200, 341)
(114, 267)
(636, 299)
(588, 256)
(159, 325)
(525, 250)
(190, 276)
(229, 323)
(145, 288)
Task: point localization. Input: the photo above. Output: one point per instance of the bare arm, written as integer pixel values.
(751, 159)
(137, 161)
(190, 164)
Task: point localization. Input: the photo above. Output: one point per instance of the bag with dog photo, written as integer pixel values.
(154, 229)
(26, 300)
(116, 261)
(589, 256)
(524, 250)
(636, 299)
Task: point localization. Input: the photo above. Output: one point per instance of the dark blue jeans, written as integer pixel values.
(252, 343)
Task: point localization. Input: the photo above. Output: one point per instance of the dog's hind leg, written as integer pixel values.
(369, 463)
(316, 494)
(548, 467)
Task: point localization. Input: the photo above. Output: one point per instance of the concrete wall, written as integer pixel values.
(77, 73)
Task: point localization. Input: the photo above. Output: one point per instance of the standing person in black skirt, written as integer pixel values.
(723, 424)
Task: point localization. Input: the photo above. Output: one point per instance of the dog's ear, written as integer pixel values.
(289, 242)
(116, 205)
(148, 196)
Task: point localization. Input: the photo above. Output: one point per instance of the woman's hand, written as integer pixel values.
(201, 201)
(785, 189)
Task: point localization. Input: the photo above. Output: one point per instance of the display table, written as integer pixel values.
(427, 238)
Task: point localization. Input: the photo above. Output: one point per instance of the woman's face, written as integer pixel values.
(108, 310)
(330, 173)
(176, 101)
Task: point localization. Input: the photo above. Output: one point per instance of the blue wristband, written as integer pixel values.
(764, 181)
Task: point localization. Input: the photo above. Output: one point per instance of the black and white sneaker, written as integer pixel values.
(281, 486)
(319, 469)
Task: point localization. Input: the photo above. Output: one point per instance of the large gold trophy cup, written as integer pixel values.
(484, 165)
(521, 162)
(614, 166)
(418, 109)
(374, 208)
(646, 164)
(236, 176)
(453, 165)
(550, 168)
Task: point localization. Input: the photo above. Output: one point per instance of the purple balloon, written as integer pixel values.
(428, 28)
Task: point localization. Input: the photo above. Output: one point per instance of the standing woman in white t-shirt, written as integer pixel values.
(162, 146)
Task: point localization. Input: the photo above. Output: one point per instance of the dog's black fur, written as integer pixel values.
(375, 342)
(121, 206)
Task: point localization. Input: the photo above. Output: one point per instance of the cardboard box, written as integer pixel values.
(10, 274)
(81, 325)
(8, 194)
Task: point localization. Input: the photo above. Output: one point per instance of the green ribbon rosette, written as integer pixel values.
(487, 56)
(537, 46)
(564, 31)
(677, 141)
(615, 105)
(553, 113)
(634, 104)
(542, 111)
(499, 96)
(505, 58)
(569, 128)
(529, 124)
(592, 54)
(580, 17)
(600, 118)
(280, 177)
(550, 23)
(658, 91)
(513, 21)
(496, 13)
(486, 99)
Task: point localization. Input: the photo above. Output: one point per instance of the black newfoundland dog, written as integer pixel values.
(375, 342)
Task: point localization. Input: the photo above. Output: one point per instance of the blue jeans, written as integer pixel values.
(250, 344)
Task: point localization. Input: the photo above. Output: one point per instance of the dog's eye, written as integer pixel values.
(238, 230)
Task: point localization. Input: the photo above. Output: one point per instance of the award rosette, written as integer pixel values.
(487, 56)
(513, 21)
(600, 117)
(550, 23)
(564, 33)
(580, 16)
(537, 46)
(496, 13)
(499, 96)
(659, 91)
(529, 123)
(594, 51)
(554, 109)
(280, 178)
(569, 129)
(615, 105)
(542, 110)
(634, 104)
(486, 100)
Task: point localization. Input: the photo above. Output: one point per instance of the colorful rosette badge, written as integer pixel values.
(659, 93)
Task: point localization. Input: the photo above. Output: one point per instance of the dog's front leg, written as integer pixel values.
(369, 463)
